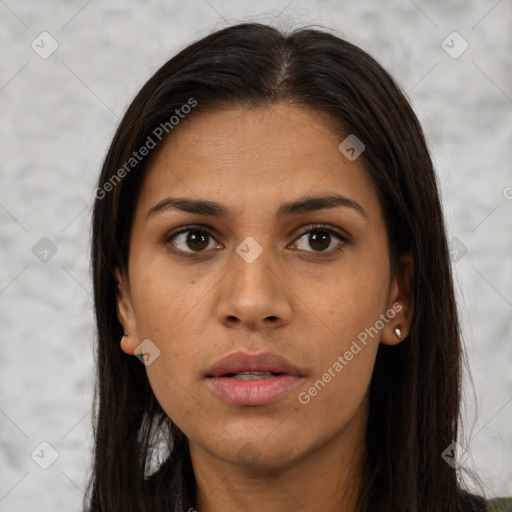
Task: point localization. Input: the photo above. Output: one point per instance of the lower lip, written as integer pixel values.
(253, 392)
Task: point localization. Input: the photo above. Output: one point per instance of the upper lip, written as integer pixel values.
(243, 362)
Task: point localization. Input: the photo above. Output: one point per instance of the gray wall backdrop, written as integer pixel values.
(59, 108)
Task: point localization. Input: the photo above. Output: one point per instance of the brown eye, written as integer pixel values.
(190, 240)
(321, 238)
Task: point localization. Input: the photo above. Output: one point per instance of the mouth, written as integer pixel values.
(243, 379)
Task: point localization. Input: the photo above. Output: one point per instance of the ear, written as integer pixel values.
(400, 306)
(125, 313)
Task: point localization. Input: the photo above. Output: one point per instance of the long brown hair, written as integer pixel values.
(415, 388)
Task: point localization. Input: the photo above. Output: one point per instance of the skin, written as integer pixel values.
(296, 299)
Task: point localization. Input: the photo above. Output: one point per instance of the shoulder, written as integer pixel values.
(499, 505)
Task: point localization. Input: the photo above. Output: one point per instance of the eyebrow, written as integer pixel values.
(211, 208)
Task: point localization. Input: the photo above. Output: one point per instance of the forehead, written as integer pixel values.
(256, 155)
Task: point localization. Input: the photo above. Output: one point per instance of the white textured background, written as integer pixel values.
(59, 114)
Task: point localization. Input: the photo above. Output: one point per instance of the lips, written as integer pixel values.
(240, 362)
(250, 380)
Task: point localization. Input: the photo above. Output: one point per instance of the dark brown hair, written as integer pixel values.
(415, 388)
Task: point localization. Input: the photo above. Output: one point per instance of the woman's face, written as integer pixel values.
(256, 281)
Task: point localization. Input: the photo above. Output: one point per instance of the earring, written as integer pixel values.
(398, 331)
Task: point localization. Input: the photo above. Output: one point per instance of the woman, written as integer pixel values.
(269, 247)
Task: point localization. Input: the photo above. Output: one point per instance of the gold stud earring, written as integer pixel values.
(398, 331)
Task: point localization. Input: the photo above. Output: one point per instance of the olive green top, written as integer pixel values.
(500, 505)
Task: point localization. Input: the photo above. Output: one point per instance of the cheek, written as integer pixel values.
(164, 302)
(352, 302)
(345, 356)
(347, 313)
(170, 311)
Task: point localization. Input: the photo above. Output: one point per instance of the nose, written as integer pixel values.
(254, 294)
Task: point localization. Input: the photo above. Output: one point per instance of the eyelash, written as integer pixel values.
(314, 227)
